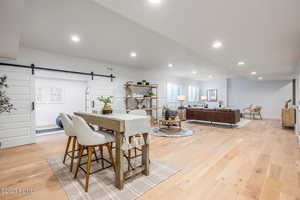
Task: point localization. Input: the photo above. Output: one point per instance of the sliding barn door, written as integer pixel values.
(18, 127)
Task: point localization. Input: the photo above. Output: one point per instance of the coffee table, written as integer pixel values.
(170, 125)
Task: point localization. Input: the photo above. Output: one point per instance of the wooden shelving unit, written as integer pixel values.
(150, 102)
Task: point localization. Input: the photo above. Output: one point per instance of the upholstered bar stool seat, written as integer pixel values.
(89, 140)
(69, 131)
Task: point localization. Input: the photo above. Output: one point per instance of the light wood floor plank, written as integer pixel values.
(259, 161)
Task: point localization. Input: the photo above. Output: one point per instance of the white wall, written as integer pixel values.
(271, 95)
(236, 93)
(74, 99)
(123, 73)
(220, 85)
(11, 15)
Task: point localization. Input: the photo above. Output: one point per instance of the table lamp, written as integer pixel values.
(203, 98)
(181, 99)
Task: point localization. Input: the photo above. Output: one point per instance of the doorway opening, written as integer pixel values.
(54, 96)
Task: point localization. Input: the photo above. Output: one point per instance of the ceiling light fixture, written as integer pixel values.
(253, 73)
(217, 44)
(133, 55)
(194, 72)
(170, 65)
(75, 38)
(241, 63)
(210, 76)
(260, 78)
(155, 1)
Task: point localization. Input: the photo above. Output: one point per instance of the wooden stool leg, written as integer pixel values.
(88, 169)
(109, 149)
(73, 153)
(81, 148)
(101, 154)
(95, 154)
(67, 149)
(129, 155)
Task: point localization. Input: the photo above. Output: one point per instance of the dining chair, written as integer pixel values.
(69, 131)
(89, 140)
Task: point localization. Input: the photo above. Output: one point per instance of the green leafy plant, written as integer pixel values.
(166, 108)
(5, 105)
(106, 101)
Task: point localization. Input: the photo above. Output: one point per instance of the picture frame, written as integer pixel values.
(212, 95)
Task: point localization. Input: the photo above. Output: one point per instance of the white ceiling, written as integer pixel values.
(265, 34)
(11, 13)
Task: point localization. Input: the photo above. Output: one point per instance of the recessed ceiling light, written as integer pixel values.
(241, 63)
(253, 73)
(194, 72)
(217, 44)
(133, 55)
(210, 76)
(75, 38)
(260, 78)
(170, 65)
(155, 1)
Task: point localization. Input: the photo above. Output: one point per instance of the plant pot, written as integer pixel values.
(107, 109)
(105, 112)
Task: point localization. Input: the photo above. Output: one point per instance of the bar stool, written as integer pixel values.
(89, 139)
(129, 157)
(68, 127)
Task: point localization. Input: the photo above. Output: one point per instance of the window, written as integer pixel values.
(173, 91)
(194, 94)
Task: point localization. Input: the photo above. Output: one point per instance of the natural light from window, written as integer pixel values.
(173, 91)
(193, 93)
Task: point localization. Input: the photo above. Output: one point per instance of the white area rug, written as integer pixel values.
(243, 122)
(102, 183)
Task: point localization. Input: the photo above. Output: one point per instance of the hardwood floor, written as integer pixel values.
(258, 161)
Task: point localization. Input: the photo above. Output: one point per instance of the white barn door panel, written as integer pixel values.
(18, 127)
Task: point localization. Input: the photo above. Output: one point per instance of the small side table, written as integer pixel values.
(163, 123)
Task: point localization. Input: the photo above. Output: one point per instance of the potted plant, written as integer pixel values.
(5, 105)
(169, 113)
(107, 109)
(166, 111)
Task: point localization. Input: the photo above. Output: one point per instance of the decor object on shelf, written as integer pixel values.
(142, 96)
(288, 117)
(181, 99)
(212, 95)
(107, 109)
(5, 105)
(144, 82)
